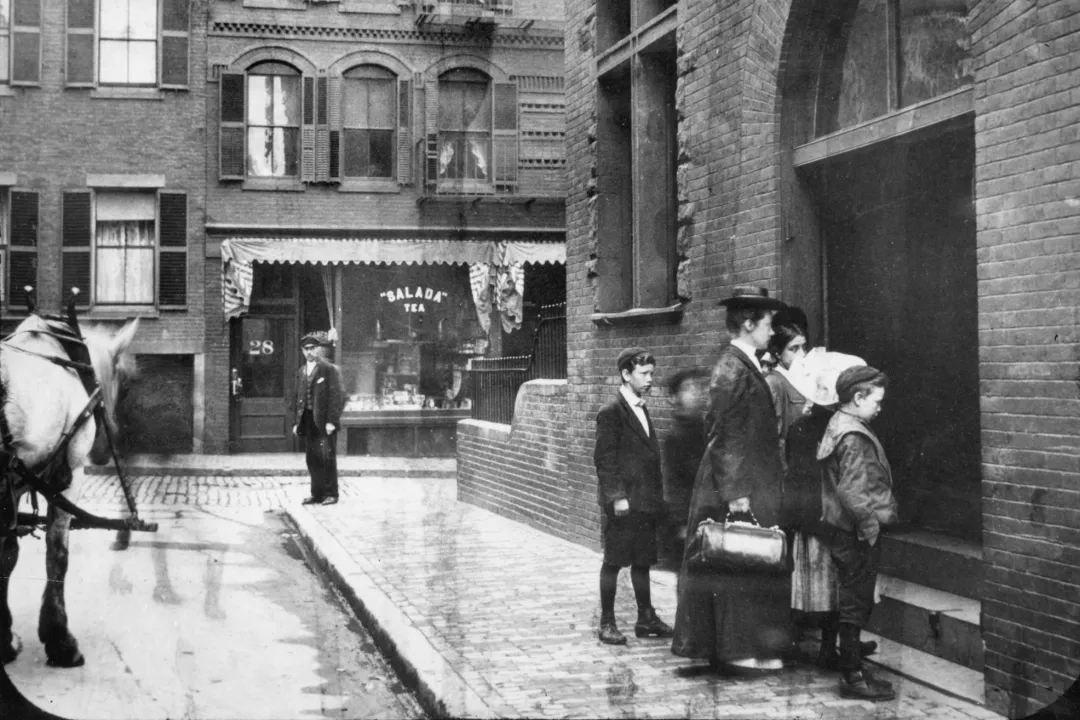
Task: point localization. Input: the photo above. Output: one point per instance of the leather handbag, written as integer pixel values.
(738, 546)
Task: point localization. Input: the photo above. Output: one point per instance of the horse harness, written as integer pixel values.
(49, 480)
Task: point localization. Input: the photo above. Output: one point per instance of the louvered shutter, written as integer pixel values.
(78, 230)
(231, 157)
(431, 132)
(506, 137)
(22, 248)
(334, 88)
(307, 132)
(175, 28)
(404, 140)
(322, 130)
(80, 44)
(172, 249)
(26, 42)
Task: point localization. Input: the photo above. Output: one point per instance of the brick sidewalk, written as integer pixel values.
(497, 619)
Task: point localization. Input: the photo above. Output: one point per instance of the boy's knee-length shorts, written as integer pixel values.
(630, 539)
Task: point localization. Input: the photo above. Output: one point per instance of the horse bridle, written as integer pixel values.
(38, 481)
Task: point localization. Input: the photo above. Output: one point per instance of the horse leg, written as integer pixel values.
(60, 647)
(9, 555)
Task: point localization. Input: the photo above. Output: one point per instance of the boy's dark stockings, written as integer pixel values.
(609, 579)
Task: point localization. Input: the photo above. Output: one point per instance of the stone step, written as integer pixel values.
(933, 560)
(935, 622)
(930, 670)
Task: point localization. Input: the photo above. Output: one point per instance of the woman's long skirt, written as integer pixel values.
(813, 581)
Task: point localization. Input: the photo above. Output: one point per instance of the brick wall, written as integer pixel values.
(1027, 156)
(519, 470)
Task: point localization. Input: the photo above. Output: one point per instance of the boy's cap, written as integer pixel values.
(751, 297)
(853, 376)
(626, 357)
(313, 339)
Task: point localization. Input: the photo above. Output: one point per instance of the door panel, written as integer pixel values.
(264, 357)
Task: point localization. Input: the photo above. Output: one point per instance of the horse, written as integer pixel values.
(41, 402)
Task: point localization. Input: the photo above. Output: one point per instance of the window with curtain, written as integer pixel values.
(124, 249)
(128, 45)
(369, 120)
(465, 126)
(273, 120)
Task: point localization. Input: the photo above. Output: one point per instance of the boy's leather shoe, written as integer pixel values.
(311, 501)
(861, 685)
(648, 624)
(868, 647)
(332, 500)
(609, 633)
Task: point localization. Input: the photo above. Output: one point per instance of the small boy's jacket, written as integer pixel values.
(857, 488)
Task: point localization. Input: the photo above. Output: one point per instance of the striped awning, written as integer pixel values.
(239, 254)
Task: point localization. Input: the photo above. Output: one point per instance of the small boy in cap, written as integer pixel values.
(631, 493)
(857, 501)
(316, 408)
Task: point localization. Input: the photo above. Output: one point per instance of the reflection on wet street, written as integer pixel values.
(214, 616)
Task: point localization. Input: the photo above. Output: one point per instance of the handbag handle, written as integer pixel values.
(727, 516)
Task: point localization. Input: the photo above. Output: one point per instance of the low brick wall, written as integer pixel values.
(519, 470)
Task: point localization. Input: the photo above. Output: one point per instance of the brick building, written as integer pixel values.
(102, 185)
(378, 169)
(903, 170)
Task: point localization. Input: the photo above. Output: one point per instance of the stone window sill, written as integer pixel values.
(638, 317)
(369, 7)
(369, 186)
(273, 185)
(126, 93)
(6, 91)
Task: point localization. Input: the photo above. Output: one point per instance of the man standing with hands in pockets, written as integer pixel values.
(631, 492)
(316, 409)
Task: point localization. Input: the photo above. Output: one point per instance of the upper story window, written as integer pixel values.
(879, 56)
(20, 42)
(127, 43)
(273, 120)
(369, 120)
(476, 149)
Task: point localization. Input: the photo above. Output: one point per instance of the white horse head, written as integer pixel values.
(44, 399)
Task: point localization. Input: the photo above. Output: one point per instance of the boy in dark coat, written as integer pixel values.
(316, 408)
(856, 503)
(684, 446)
(627, 459)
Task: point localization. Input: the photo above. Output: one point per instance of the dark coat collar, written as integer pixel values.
(737, 352)
(630, 418)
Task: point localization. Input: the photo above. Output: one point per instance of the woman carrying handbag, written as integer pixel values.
(737, 617)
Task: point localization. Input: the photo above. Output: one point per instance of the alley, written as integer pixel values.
(214, 616)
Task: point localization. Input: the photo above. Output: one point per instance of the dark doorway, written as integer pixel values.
(897, 223)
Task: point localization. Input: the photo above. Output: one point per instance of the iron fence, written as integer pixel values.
(496, 381)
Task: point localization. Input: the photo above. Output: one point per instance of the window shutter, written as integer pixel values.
(231, 158)
(80, 44)
(404, 143)
(322, 130)
(77, 231)
(175, 28)
(506, 137)
(431, 131)
(26, 42)
(172, 249)
(22, 250)
(307, 132)
(334, 87)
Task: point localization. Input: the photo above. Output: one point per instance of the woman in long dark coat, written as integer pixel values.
(740, 622)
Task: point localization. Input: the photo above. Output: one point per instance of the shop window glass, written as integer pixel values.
(465, 124)
(369, 119)
(273, 120)
(935, 49)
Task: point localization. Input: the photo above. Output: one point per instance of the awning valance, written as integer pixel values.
(239, 254)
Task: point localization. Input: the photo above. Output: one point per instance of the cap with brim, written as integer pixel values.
(756, 298)
(627, 355)
(310, 339)
(853, 376)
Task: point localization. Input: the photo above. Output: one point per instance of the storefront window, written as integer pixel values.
(407, 333)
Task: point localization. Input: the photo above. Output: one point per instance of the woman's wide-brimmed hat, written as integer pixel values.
(756, 298)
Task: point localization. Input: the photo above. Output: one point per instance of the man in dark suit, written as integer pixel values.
(316, 409)
(631, 492)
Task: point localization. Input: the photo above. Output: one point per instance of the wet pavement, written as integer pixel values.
(499, 620)
(214, 616)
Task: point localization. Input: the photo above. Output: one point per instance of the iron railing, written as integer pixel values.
(496, 381)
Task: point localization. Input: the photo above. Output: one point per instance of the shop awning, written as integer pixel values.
(239, 254)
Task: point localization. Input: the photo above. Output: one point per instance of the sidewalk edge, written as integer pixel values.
(440, 687)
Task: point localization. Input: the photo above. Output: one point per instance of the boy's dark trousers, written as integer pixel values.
(857, 565)
(321, 458)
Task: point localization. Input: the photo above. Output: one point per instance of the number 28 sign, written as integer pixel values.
(260, 347)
